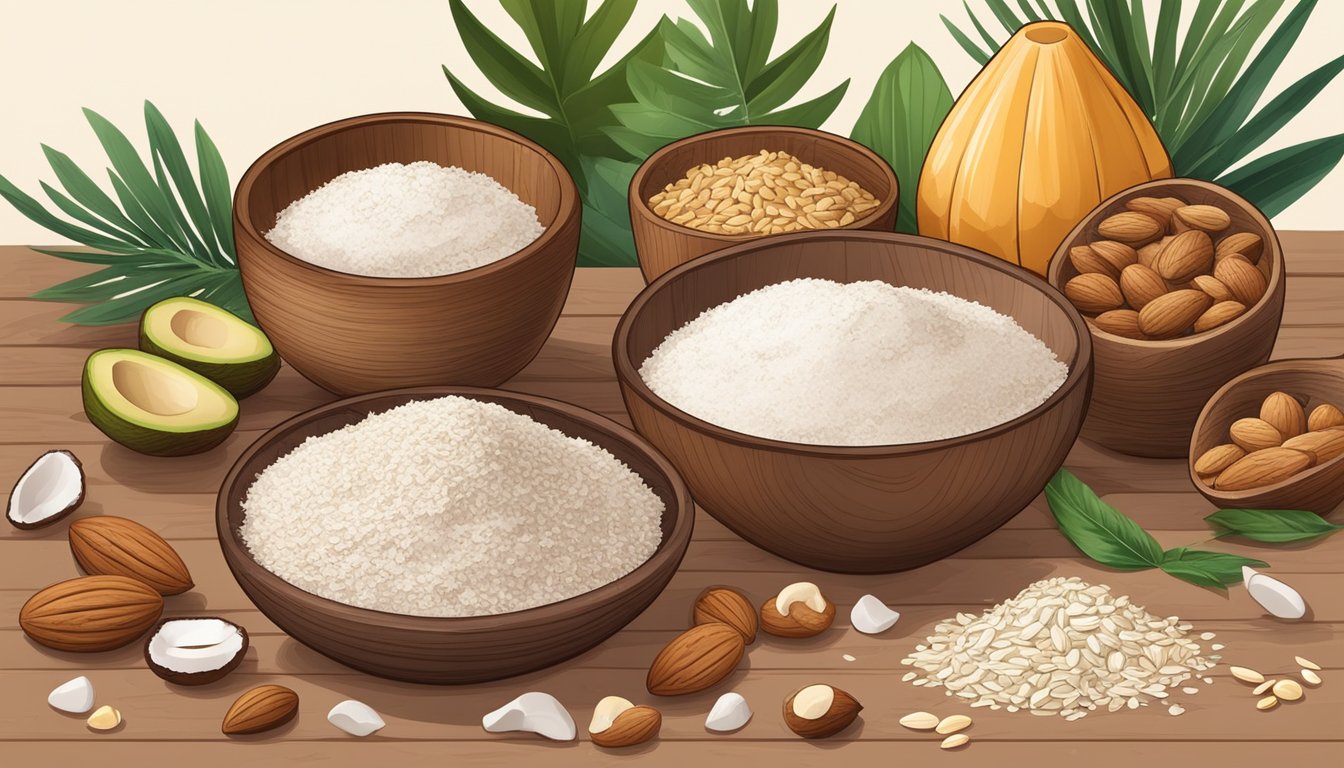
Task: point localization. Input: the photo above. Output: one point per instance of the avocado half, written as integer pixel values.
(213, 342)
(155, 406)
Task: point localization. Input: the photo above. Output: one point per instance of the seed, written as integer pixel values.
(920, 721)
(1310, 677)
(955, 740)
(952, 724)
(1267, 703)
(1265, 686)
(1176, 709)
(1288, 690)
(1307, 663)
(1246, 675)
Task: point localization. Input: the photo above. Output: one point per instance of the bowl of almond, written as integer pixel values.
(1273, 438)
(1182, 284)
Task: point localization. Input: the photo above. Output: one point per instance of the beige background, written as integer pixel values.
(257, 71)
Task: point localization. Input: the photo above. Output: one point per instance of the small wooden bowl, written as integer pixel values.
(662, 245)
(859, 509)
(1319, 489)
(424, 649)
(1146, 395)
(354, 333)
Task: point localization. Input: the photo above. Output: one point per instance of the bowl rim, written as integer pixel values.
(843, 144)
(1277, 274)
(670, 550)
(1334, 465)
(567, 209)
(1080, 368)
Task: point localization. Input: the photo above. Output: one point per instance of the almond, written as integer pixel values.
(260, 709)
(1212, 286)
(1283, 412)
(807, 612)
(726, 606)
(1130, 227)
(1325, 416)
(1261, 468)
(91, 613)
(1247, 244)
(1208, 218)
(1094, 293)
(1159, 208)
(697, 659)
(1140, 285)
(1255, 434)
(1117, 255)
(1188, 254)
(820, 711)
(114, 546)
(1218, 458)
(1171, 314)
(1088, 261)
(1150, 253)
(1320, 446)
(1245, 281)
(1219, 314)
(632, 726)
(1121, 322)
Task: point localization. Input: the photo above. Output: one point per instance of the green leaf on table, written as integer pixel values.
(899, 121)
(1207, 569)
(1272, 525)
(722, 80)
(1096, 528)
(605, 239)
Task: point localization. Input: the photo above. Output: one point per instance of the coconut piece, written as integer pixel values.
(47, 491)
(73, 696)
(871, 616)
(195, 651)
(729, 713)
(355, 718)
(534, 712)
(1273, 595)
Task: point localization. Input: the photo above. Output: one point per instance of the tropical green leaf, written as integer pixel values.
(1207, 569)
(166, 149)
(1097, 529)
(974, 51)
(1278, 179)
(114, 280)
(1272, 525)
(88, 194)
(907, 106)
(606, 237)
(215, 189)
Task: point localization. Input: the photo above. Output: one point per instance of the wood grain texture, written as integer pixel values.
(858, 509)
(662, 245)
(456, 650)
(1147, 394)
(1320, 488)
(351, 333)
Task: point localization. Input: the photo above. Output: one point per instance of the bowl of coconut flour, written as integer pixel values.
(452, 535)
(856, 401)
(406, 249)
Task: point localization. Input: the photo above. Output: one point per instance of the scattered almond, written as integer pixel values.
(1219, 314)
(1094, 292)
(1254, 434)
(1243, 279)
(920, 721)
(1248, 244)
(1172, 314)
(1246, 675)
(1310, 678)
(1217, 459)
(1188, 254)
(104, 718)
(1283, 412)
(1265, 686)
(1212, 286)
(952, 724)
(697, 659)
(1325, 416)
(91, 613)
(726, 606)
(1267, 703)
(1288, 690)
(955, 740)
(260, 709)
(1130, 227)
(1261, 468)
(114, 546)
(799, 610)
(1140, 284)
(1121, 322)
(1307, 663)
(1208, 218)
(820, 711)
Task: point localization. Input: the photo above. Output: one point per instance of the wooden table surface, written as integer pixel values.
(167, 725)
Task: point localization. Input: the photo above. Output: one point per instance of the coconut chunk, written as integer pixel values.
(47, 491)
(195, 651)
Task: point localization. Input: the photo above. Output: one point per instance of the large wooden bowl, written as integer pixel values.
(456, 650)
(869, 509)
(1147, 394)
(353, 333)
(1319, 489)
(662, 245)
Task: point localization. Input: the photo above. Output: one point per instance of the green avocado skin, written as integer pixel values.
(149, 441)
(240, 379)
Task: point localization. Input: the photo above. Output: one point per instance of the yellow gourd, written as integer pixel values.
(1041, 136)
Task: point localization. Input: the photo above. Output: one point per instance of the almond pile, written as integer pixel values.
(1163, 269)
(1271, 691)
(1281, 442)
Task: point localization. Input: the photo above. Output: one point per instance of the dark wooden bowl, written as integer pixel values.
(1147, 394)
(869, 509)
(662, 245)
(425, 649)
(353, 333)
(1319, 489)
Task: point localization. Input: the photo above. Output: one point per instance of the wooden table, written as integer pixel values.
(170, 726)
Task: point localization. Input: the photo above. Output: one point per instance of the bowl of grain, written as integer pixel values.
(406, 249)
(862, 402)
(719, 188)
(1198, 267)
(452, 534)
